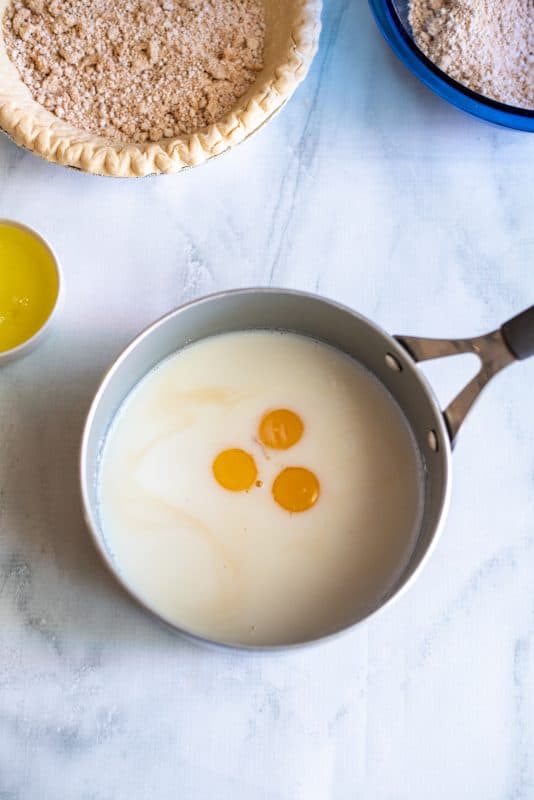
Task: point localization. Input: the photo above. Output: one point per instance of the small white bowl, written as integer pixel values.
(30, 344)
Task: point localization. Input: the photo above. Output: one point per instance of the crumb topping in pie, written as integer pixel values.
(136, 70)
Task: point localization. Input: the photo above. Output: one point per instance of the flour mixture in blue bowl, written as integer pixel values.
(476, 55)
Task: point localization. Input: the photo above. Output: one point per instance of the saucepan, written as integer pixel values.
(392, 359)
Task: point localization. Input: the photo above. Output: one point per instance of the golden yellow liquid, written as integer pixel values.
(29, 285)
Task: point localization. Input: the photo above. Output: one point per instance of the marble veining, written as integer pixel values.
(370, 190)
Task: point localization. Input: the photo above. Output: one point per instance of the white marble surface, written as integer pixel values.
(367, 189)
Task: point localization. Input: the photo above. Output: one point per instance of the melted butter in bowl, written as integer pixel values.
(30, 286)
(260, 488)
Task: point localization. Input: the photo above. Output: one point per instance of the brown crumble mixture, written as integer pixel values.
(136, 70)
(487, 45)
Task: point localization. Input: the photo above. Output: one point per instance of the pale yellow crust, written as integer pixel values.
(293, 28)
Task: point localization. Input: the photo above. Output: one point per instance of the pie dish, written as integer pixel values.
(292, 35)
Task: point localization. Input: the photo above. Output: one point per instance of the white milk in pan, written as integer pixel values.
(260, 487)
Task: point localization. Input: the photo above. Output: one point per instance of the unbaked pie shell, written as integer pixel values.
(292, 36)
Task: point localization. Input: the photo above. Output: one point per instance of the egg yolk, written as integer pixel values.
(296, 489)
(281, 429)
(235, 470)
(28, 285)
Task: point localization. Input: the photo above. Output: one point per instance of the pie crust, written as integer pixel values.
(292, 37)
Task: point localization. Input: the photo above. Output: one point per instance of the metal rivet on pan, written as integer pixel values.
(393, 363)
(433, 442)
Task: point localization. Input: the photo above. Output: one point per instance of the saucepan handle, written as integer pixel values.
(518, 334)
(512, 342)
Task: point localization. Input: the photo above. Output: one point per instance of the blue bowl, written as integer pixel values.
(392, 19)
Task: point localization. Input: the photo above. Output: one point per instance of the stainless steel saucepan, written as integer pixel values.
(393, 360)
